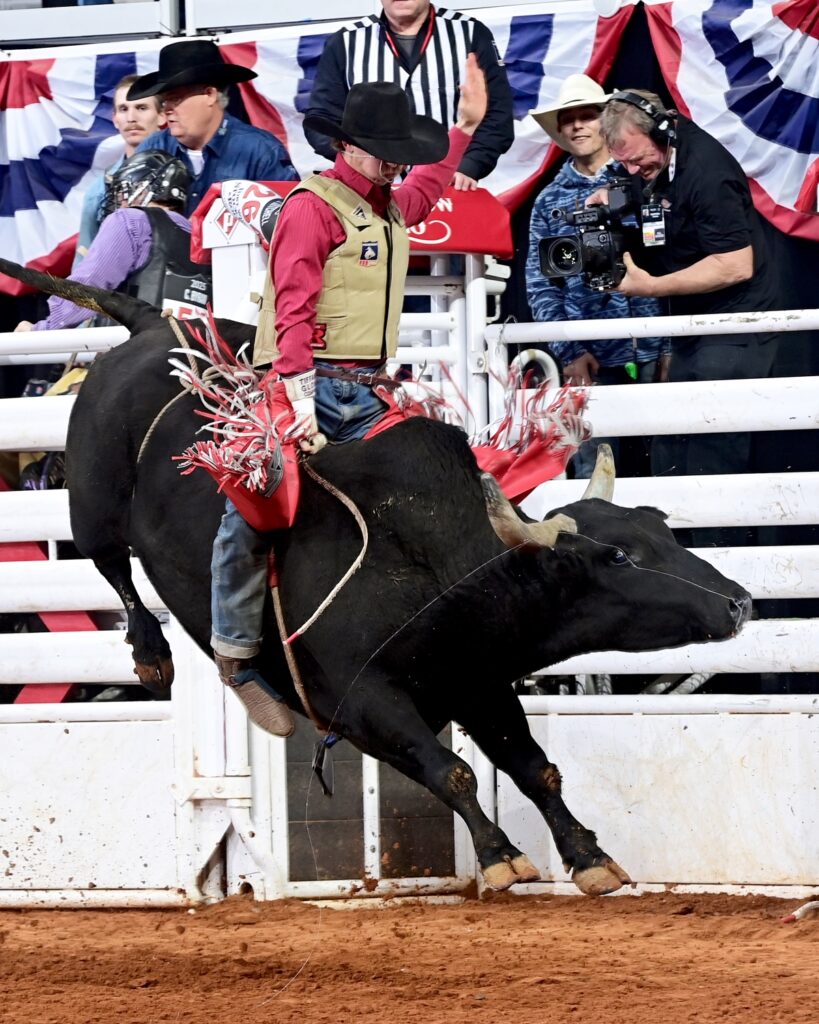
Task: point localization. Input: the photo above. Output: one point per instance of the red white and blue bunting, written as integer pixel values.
(748, 73)
(746, 70)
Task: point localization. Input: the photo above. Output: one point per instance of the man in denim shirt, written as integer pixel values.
(574, 124)
(192, 83)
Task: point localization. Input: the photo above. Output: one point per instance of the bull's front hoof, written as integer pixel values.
(510, 870)
(525, 869)
(499, 876)
(601, 879)
(156, 678)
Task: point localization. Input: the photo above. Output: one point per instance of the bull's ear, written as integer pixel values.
(658, 512)
(601, 484)
(511, 529)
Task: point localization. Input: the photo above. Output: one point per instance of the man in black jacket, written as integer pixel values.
(423, 49)
(705, 250)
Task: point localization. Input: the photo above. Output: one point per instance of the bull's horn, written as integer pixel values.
(601, 484)
(511, 529)
(133, 313)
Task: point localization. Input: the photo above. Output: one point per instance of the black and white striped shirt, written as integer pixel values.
(367, 51)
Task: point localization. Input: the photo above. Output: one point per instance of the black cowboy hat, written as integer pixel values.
(377, 118)
(191, 62)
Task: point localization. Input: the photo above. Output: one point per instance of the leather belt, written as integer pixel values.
(358, 377)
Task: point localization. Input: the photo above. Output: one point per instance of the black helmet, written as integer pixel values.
(149, 176)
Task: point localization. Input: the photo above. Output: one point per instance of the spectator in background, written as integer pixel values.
(140, 246)
(135, 120)
(192, 86)
(423, 50)
(574, 124)
(713, 260)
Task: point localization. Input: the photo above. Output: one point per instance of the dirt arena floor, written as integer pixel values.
(652, 959)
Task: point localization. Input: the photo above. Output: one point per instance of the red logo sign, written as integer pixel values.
(226, 222)
(464, 222)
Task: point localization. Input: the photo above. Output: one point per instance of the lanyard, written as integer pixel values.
(430, 28)
(669, 165)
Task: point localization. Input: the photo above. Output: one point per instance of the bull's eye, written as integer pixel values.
(619, 557)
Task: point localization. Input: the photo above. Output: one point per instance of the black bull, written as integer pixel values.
(440, 619)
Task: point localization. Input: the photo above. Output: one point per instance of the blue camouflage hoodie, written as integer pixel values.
(574, 301)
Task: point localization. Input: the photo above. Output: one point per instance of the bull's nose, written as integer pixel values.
(740, 610)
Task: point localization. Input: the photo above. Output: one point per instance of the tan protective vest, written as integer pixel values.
(362, 288)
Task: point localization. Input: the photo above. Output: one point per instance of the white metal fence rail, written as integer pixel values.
(201, 741)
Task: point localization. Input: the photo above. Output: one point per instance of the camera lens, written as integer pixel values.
(564, 255)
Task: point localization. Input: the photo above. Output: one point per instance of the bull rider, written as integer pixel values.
(329, 321)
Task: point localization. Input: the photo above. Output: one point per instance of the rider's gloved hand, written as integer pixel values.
(301, 392)
(253, 204)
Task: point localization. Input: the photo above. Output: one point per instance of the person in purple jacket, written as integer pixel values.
(142, 248)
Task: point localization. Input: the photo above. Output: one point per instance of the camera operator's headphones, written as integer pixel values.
(662, 131)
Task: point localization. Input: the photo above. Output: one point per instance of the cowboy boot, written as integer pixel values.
(264, 706)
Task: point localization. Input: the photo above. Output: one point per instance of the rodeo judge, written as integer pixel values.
(422, 47)
(338, 262)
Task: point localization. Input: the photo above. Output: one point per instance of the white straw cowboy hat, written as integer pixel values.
(576, 91)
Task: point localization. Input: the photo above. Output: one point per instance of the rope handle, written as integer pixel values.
(286, 640)
(355, 565)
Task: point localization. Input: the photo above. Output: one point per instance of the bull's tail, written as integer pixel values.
(125, 309)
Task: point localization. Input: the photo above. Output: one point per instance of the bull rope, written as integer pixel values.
(186, 390)
(355, 565)
(348, 503)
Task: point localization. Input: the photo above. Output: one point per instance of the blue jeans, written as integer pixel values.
(345, 412)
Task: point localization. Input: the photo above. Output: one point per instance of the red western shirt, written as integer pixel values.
(308, 231)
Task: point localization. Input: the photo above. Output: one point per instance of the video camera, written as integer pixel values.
(596, 248)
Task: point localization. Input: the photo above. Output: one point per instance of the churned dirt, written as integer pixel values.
(652, 959)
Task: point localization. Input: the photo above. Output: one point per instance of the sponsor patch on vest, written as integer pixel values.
(319, 339)
(369, 254)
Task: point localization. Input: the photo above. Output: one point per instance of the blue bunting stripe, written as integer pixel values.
(59, 168)
(529, 39)
(756, 94)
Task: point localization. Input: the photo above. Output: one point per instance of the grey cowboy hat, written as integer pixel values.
(378, 119)
(576, 91)
(190, 62)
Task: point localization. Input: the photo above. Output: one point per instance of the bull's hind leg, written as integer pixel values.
(151, 652)
(388, 726)
(500, 729)
(100, 469)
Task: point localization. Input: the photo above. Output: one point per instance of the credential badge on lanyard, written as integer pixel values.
(652, 217)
